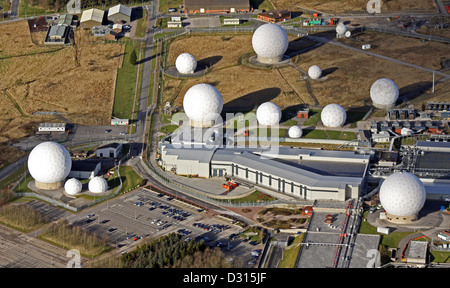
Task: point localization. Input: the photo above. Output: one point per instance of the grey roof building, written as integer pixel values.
(58, 34)
(305, 173)
(119, 14)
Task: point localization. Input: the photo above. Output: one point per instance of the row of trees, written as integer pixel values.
(60, 5)
(22, 216)
(74, 237)
(173, 251)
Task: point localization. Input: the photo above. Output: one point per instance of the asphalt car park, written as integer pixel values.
(145, 214)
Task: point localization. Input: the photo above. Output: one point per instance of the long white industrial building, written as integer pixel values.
(305, 173)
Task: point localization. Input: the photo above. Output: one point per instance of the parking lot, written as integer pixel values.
(145, 214)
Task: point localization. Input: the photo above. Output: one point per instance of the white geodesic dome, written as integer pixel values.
(98, 185)
(384, 92)
(270, 41)
(333, 115)
(402, 194)
(341, 29)
(203, 103)
(314, 72)
(268, 114)
(186, 63)
(49, 162)
(295, 132)
(73, 186)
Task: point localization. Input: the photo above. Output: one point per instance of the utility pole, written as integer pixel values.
(432, 91)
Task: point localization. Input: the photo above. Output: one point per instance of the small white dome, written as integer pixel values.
(49, 162)
(186, 63)
(73, 186)
(384, 92)
(402, 194)
(295, 132)
(341, 29)
(314, 72)
(268, 114)
(203, 103)
(333, 115)
(270, 41)
(98, 185)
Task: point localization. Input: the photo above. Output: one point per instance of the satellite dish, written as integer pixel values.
(348, 34)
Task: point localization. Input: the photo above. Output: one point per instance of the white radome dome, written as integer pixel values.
(402, 194)
(186, 63)
(295, 132)
(98, 185)
(314, 72)
(49, 162)
(270, 41)
(203, 103)
(73, 186)
(384, 92)
(341, 29)
(333, 115)
(268, 114)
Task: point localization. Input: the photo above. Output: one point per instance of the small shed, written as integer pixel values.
(119, 14)
(231, 21)
(112, 150)
(85, 169)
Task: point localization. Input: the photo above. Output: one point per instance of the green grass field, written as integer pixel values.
(126, 84)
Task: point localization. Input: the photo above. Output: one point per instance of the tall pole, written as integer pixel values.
(433, 83)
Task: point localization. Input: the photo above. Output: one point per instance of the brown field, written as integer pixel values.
(337, 6)
(48, 78)
(347, 75)
(406, 49)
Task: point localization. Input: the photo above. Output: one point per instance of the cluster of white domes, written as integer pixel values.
(402, 194)
(49, 162)
(341, 29)
(268, 114)
(98, 185)
(314, 72)
(73, 186)
(295, 132)
(186, 63)
(202, 103)
(384, 93)
(270, 42)
(333, 115)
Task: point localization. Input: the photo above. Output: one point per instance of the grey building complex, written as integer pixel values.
(305, 173)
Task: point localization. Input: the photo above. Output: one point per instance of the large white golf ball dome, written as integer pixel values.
(270, 41)
(186, 63)
(402, 194)
(268, 114)
(73, 186)
(314, 72)
(203, 103)
(49, 162)
(341, 29)
(98, 185)
(295, 132)
(384, 92)
(333, 115)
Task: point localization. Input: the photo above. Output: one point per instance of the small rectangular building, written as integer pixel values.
(303, 113)
(417, 252)
(231, 21)
(444, 235)
(275, 16)
(112, 150)
(84, 169)
(58, 34)
(52, 127)
(118, 121)
(174, 24)
(66, 19)
(216, 6)
(92, 17)
(119, 14)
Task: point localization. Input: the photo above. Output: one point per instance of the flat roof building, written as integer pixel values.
(119, 14)
(216, 6)
(263, 168)
(92, 17)
(58, 34)
(275, 16)
(84, 169)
